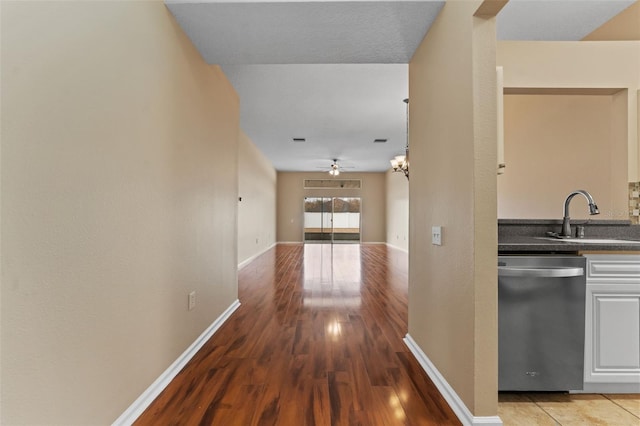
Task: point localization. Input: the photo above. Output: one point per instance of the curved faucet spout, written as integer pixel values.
(593, 209)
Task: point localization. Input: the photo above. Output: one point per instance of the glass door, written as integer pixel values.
(346, 219)
(317, 219)
(331, 219)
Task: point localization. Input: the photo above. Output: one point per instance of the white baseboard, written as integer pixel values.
(148, 396)
(252, 258)
(450, 395)
(398, 248)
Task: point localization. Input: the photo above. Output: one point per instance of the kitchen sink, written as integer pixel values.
(589, 240)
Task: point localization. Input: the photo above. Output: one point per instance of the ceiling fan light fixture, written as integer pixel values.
(335, 169)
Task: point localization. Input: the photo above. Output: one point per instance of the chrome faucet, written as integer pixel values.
(593, 209)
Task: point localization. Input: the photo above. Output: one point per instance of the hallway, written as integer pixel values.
(317, 340)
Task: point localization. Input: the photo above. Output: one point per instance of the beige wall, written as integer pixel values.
(119, 197)
(624, 26)
(290, 204)
(555, 144)
(453, 287)
(397, 210)
(257, 210)
(585, 65)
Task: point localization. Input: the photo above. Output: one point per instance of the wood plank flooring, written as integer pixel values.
(316, 341)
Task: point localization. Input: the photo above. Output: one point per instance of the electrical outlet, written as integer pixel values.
(192, 300)
(436, 235)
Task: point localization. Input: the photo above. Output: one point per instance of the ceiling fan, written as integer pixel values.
(335, 168)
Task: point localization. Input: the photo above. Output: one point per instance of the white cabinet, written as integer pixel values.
(612, 340)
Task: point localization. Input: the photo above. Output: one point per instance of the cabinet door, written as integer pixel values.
(613, 333)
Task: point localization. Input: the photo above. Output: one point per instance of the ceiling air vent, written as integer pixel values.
(379, 140)
(299, 140)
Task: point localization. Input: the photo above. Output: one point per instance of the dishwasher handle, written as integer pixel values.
(552, 272)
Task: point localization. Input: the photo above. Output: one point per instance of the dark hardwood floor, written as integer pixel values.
(316, 341)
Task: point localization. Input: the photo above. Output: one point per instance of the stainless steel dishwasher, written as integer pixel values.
(541, 303)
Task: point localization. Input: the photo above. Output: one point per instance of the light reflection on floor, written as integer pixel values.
(332, 275)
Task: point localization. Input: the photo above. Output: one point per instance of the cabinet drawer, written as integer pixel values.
(613, 266)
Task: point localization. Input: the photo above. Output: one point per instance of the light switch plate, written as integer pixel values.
(436, 235)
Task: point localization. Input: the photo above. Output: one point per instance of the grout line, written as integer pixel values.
(545, 411)
(606, 397)
(548, 414)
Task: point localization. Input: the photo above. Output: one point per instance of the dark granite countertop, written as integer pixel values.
(535, 244)
(531, 222)
(528, 236)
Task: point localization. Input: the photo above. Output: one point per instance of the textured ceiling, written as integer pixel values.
(339, 109)
(310, 32)
(335, 72)
(555, 19)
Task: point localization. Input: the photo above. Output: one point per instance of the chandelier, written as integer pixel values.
(400, 163)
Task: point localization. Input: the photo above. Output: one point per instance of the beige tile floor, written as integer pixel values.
(541, 408)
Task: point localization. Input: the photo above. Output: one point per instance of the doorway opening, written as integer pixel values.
(332, 219)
